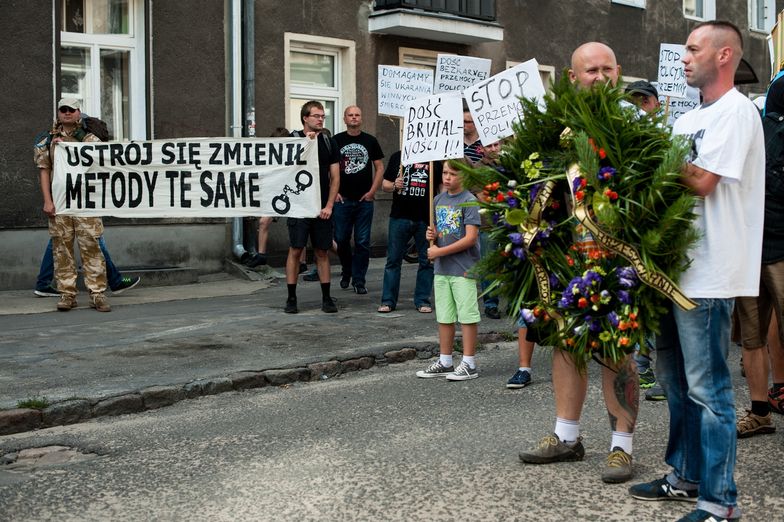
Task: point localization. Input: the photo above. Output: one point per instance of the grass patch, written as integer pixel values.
(35, 403)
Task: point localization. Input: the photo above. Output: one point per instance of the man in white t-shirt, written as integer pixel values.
(726, 168)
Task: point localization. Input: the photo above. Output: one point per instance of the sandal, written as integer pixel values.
(425, 309)
(384, 309)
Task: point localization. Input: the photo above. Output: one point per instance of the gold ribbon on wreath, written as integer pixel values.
(654, 279)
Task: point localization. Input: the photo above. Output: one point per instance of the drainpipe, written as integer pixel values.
(242, 92)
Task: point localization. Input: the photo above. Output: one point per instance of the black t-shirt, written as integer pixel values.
(357, 154)
(328, 154)
(412, 201)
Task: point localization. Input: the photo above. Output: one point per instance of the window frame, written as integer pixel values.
(640, 4)
(344, 92)
(709, 7)
(769, 19)
(134, 42)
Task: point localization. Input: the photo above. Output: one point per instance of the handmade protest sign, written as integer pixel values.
(433, 129)
(399, 85)
(495, 103)
(457, 73)
(677, 107)
(204, 177)
(672, 79)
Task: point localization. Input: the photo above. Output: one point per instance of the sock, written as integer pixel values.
(524, 369)
(446, 360)
(325, 290)
(622, 440)
(292, 290)
(761, 408)
(567, 430)
(470, 360)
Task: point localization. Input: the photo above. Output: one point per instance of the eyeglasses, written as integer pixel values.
(67, 110)
(317, 116)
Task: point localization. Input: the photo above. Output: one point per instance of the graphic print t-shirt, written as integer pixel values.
(357, 154)
(450, 222)
(411, 202)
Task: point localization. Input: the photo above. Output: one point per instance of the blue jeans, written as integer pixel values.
(400, 231)
(357, 217)
(46, 272)
(691, 365)
(485, 247)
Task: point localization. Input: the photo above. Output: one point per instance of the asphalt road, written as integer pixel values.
(373, 445)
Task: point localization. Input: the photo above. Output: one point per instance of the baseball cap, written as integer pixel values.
(69, 102)
(642, 87)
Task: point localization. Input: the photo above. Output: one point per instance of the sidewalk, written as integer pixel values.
(163, 344)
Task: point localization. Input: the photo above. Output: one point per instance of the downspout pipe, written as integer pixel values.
(243, 96)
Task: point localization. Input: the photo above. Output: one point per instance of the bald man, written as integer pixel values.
(727, 168)
(592, 63)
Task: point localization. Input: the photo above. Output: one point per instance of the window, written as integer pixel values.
(322, 69)
(417, 58)
(102, 62)
(633, 3)
(699, 9)
(762, 15)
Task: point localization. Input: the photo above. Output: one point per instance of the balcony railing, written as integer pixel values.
(477, 9)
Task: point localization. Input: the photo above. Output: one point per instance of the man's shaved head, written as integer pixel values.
(593, 62)
(724, 34)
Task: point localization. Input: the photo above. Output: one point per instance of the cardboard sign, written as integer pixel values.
(204, 177)
(495, 103)
(672, 79)
(433, 129)
(457, 73)
(399, 85)
(680, 106)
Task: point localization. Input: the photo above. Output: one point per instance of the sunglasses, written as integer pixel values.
(67, 110)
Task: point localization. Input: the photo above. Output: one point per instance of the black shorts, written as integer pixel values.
(319, 230)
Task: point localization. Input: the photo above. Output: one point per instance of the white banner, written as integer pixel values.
(433, 129)
(495, 103)
(672, 79)
(194, 177)
(680, 106)
(457, 73)
(399, 85)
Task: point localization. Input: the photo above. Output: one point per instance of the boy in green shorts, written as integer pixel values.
(455, 252)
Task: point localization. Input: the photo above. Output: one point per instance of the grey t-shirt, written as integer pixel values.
(450, 221)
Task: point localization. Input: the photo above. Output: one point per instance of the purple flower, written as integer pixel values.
(554, 282)
(496, 217)
(592, 278)
(527, 316)
(519, 253)
(613, 318)
(516, 238)
(624, 297)
(511, 201)
(577, 183)
(626, 272)
(594, 326)
(535, 191)
(606, 173)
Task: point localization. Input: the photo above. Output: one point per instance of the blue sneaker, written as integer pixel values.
(520, 379)
(700, 515)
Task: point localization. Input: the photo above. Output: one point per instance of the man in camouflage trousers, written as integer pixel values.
(63, 229)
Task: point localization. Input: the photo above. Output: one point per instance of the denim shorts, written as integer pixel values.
(456, 300)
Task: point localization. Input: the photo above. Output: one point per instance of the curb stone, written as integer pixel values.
(71, 411)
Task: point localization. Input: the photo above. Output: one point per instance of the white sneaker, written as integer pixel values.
(463, 373)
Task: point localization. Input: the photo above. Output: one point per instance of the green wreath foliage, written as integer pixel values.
(629, 179)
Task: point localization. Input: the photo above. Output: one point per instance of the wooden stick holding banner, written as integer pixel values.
(430, 197)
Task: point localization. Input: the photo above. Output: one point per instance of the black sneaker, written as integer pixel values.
(47, 291)
(311, 276)
(660, 489)
(344, 282)
(700, 515)
(647, 379)
(360, 289)
(520, 379)
(303, 268)
(656, 393)
(328, 305)
(256, 260)
(552, 449)
(291, 306)
(126, 284)
(491, 312)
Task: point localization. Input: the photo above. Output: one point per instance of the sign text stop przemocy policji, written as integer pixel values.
(199, 177)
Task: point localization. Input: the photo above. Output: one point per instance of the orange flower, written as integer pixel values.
(579, 195)
(582, 302)
(602, 154)
(624, 341)
(500, 197)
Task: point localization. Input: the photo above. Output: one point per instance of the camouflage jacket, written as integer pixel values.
(43, 151)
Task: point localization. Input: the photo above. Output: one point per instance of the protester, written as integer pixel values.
(408, 217)
(64, 230)
(472, 146)
(644, 95)
(361, 172)
(456, 233)
(318, 229)
(726, 169)
(592, 63)
(755, 313)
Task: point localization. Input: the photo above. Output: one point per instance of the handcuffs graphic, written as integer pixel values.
(281, 203)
